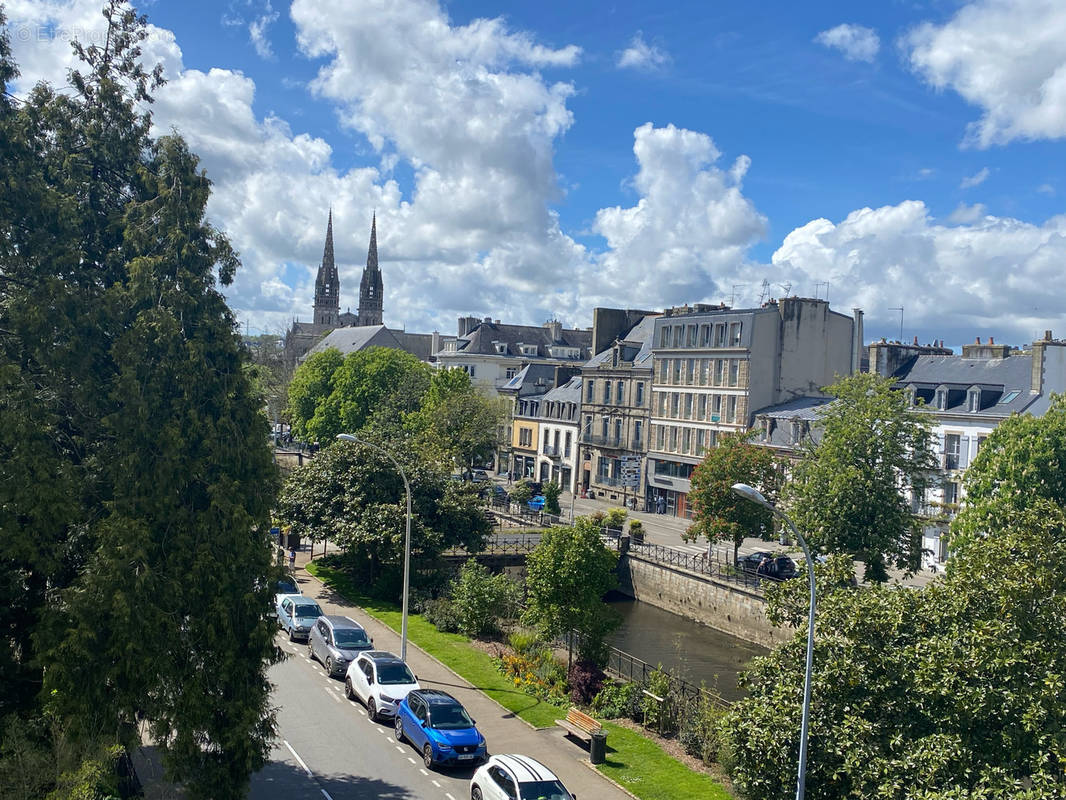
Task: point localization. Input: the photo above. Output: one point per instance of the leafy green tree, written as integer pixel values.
(848, 493)
(1022, 462)
(482, 599)
(353, 496)
(719, 513)
(457, 420)
(135, 478)
(954, 690)
(567, 576)
(311, 385)
(551, 498)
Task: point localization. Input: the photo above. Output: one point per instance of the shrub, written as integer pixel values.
(586, 680)
(441, 613)
(551, 498)
(662, 715)
(522, 642)
(701, 727)
(615, 517)
(521, 493)
(482, 599)
(636, 530)
(615, 700)
(536, 672)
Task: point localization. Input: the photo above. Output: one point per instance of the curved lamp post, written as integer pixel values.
(407, 539)
(755, 496)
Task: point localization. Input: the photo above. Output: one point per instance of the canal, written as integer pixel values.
(685, 648)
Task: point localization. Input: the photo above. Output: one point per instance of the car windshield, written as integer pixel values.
(304, 610)
(394, 674)
(350, 637)
(450, 718)
(543, 790)
(287, 587)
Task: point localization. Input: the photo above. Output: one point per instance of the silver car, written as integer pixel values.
(336, 641)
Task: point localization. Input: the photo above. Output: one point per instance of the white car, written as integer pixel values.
(514, 777)
(379, 680)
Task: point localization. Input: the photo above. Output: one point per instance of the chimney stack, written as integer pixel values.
(856, 341)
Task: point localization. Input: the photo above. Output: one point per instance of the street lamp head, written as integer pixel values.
(347, 437)
(751, 493)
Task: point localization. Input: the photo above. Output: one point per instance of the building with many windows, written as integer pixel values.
(615, 401)
(521, 444)
(714, 366)
(559, 420)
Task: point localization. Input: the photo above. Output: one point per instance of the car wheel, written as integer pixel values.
(310, 651)
(372, 709)
(475, 793)
(291, 637)
(329, 666)
(398, 727)
(348, 689)
(427, 755)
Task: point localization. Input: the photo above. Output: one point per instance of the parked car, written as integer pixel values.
(296, 615)
(379, 680)
(336, 641)
(536, 503)
(285, 586)
(439, 727)
(778, 565)
(479, 476)
(507, 777)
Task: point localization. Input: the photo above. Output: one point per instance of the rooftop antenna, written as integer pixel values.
(826, 285)
(787, 287)
(900, 310)
(733, 294)
(765, 291)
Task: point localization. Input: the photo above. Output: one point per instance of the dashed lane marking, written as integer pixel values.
(449, 796)
(423, 772)
(435, 784)
(299, 760)
(399, 748)
(411, 760)
(327, 796)
(331, 696)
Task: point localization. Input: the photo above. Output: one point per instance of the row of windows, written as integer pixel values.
(556, 410)
(699, 407)
(610, 431)
(700, 371)
(551, 442)
(614, 392)
(716, 334)
(685, 441)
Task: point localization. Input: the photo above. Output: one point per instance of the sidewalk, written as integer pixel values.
(505, 732)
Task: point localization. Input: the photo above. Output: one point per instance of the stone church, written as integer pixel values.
(327, 316)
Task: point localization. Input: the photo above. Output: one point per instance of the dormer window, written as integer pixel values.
(973, 400)
(941, 398)
(501, 348)
(797, 431)
(527, 349)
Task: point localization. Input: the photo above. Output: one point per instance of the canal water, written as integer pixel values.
(685, 648)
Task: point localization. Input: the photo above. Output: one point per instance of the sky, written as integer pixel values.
(531, 161)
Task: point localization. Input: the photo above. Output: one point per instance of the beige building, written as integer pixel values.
(715, 366)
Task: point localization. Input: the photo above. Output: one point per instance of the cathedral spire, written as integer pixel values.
(328, 284)
(370, 289)
(372, 253)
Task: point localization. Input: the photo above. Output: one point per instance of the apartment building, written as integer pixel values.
(615, 405)
(967, 395)
(526, 391)
(714, 366)
(559, 422)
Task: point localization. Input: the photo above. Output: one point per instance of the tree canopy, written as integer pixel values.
(457, 420)
(135, 477)
(719, 513)
(848, 492)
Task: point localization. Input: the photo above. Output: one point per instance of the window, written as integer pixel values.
(603, 427)
(734, 371)
(973, 400)
(951, 492)
(525, 437)
(640, 394)
(712, 438)
(705, 335)
(705, 364)
(675, 404)
(566, 453)
(664, 368)
(690, 376)
(664, 336)
(660, 436)
(588, 394)
(673, 439)
(688, 406)
(662, 404)
(638, 432)
(511, 372)
(678, 329)
(544, 441)
(942, 398)
(618, 431)
(1009, 396)
(620, 393)
(606, 391)
(716, 408)
(702, 408)
(719, 335)
(699, 441)
(690, 336)
(686, 440)
(731, 409)
(952, 450)
(719, 372)
(677, 371)
(734, 334)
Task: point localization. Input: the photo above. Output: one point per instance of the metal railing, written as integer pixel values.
(711, 564)
(627, 667)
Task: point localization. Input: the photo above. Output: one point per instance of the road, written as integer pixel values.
(329, 749)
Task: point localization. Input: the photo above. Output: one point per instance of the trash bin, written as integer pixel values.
(293, 541)
(598, 747)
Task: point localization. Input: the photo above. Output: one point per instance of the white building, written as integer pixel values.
(558, 448)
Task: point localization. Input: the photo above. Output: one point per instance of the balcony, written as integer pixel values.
(616, 442)
(554, 452)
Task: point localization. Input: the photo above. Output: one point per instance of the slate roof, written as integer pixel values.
(352, 340)
(569, 392)
(636, 345)
(482, 340)
(997, 377)
(532, 379)
(807, 408)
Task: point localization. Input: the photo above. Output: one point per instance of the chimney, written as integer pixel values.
(977, 340)
(856, 342)
(991, 340)
(555, 329)
(434, 343)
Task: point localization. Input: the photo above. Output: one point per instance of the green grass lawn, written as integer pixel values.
(642, 767)
(633, 761)
(453, 649)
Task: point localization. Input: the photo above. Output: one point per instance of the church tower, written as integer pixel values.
(370, 286)
(328, 285)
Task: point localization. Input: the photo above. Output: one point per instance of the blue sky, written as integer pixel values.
(538, 159)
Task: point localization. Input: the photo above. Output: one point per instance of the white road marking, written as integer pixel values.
(326, 794)
(449, 796)
(332, 696)
(361, 712)
(298, 759)
(435, 784)
(411, 760)
(399, 748)
(423, 772)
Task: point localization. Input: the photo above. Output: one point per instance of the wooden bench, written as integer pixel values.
(579, 724)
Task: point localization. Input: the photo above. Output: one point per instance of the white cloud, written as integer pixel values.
(992, 274)
(641, 55)
(688, 234)
(257, 32)
(967, 215)
(1046, 188)
(856, 42)
(976, 179)
(1008, 58)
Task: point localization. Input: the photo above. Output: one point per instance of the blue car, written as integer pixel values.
(537, 503)
(296, 615)
(438, 725)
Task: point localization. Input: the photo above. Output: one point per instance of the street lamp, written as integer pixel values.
(748, 493)
(407, 539)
